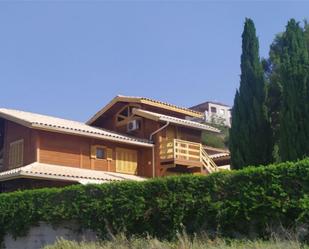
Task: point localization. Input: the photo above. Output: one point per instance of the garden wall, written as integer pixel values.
(45, 234)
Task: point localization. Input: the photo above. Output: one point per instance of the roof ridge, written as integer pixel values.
(123, 98)
(162, 102)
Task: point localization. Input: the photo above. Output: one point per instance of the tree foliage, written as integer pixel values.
(250, 135)
(288, 100)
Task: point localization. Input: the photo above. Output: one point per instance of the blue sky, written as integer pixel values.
(69, 58)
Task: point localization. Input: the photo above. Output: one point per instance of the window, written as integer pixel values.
(222, 112)
(213, 109)
(100, 153)
(16, 154)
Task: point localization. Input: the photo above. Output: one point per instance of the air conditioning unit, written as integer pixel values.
(133, 125)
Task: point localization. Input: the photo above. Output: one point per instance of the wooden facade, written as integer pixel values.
(172, 148)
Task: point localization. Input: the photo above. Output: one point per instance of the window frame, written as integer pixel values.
(213, 109)
(222, 112)
(108, 152)
(104, 148)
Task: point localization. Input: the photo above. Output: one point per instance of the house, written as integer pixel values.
(215, 112)
(131, 138)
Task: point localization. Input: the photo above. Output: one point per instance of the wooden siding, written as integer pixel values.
(126, 161)
(108, 121)
(74, 151)
(14, 132)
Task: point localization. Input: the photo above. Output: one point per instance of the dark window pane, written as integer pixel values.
(125, 112)
(100, 154)
(119, 119)
(213, 109)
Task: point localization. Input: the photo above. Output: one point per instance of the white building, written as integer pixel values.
(215, 112)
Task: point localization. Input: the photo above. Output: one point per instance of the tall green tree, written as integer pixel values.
(250, 134)
(274, 91)
(293, 66)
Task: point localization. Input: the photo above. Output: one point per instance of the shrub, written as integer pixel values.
(237, 203)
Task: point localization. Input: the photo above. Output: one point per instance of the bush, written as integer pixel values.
(238, 203)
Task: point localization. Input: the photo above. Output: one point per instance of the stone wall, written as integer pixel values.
(45, 234)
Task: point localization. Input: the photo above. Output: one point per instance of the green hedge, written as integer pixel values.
(244, 202)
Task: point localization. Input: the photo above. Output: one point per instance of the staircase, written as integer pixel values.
(190, 154)
(208, 164)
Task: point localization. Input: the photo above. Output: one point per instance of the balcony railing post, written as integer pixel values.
(174, 148)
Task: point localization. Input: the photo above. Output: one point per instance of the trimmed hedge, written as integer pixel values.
(244, 202)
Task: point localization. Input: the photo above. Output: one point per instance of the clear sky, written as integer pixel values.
(69, 58)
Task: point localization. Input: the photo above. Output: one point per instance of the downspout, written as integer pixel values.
(153, 148)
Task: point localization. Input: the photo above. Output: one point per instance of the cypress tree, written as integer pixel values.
(294, 114)
(274, 91)
(250, 134)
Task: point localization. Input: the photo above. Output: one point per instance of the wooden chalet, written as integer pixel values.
(131, 138)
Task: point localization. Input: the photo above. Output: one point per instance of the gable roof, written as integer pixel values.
(177, 121)
(63, 173)
(43, 122)
(147, 101)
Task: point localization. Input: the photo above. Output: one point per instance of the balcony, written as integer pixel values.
(176, 152)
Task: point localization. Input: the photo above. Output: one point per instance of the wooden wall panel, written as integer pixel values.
(14, 132)
(145, 162)
(74, 151)
(61, 149)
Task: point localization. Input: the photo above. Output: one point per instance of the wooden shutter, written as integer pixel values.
(109, 153)
(126, 161)
(93, 152)
(16, 154)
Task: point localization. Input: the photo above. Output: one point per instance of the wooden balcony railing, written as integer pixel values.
(176, 149)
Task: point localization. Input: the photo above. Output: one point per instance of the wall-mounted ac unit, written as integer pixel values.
(133, 125)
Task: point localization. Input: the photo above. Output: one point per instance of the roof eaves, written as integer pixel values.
(193, 125)
(43, 171)
(16, 120)
(66, 130)
(164, 118)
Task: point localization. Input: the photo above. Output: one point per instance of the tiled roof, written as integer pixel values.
(214, 150)
(57, 172)
(148, 101)
(177, 121)
(43, 122)
(219, 155)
